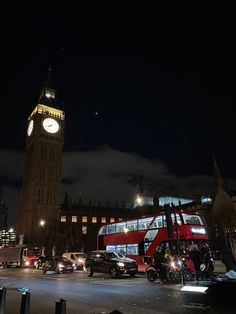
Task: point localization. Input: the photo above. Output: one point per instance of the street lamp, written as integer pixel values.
(42, 224)
(139, 200)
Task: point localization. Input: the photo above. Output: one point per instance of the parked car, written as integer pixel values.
(58, 264)
(78, 258)
(113, 263)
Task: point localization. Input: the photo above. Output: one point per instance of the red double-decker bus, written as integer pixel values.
(139, 237)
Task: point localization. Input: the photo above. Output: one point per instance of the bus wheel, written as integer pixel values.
(89, 271)
(114, 273)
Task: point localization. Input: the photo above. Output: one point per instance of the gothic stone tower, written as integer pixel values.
(42, 173)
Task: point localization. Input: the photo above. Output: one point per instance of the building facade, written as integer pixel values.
(40, 201)
(79, 224)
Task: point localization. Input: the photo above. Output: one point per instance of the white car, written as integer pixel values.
(78, 258)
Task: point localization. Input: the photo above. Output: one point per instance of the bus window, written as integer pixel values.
(132, 249)
(111, 248)
(111, 228)
(150, 235)
(121, 249)
(146, 246)
(103, 230)
(144, 223)
(120, 227)
(132, 225)
(192, 220)
(173, 216)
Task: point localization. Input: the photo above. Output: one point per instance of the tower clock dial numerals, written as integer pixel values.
(50, 125)
(30, 127)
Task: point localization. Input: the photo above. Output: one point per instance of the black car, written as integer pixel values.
(112, 263)
(58, 264)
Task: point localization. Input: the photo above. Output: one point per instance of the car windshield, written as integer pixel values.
(114, 255)
(80, 255)
(61, 259)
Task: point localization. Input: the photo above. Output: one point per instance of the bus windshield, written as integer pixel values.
(192, 220)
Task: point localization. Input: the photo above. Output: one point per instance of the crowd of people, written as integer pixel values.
(200, 257)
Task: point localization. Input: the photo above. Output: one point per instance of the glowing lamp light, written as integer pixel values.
(11, 230)
(126, 229)
(139, 200)
(42, 223)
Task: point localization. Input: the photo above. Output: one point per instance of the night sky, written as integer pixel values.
(140, 98)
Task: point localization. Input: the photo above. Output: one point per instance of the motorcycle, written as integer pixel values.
(185, 269)
(174, 271)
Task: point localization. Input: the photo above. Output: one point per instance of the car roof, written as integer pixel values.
(74, 253)
(102, 251)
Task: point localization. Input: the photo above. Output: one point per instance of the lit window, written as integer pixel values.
(120, 219)
(104, 220)
(84, 229)
(112, 219)
(63, 218)
(74, 219)
(84, 219)
(94, 220)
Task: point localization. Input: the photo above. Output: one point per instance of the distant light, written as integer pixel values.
(96, 113)
(11, 230)
(194, 289)
(139, 200)
(42, 222)
(126, 229)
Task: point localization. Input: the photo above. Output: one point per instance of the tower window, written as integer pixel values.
(112, 219)
(84, 219)
(63, 218)
(94, 220)
(74, 219)
(103, 220)
(84, 230)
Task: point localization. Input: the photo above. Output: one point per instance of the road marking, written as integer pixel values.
(111, 284)
(197, 306)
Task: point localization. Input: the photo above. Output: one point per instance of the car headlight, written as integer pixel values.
(27, 263)
(120, 264)
(60, 265)
(73, 264)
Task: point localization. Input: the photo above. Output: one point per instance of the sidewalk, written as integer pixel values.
(219, 267)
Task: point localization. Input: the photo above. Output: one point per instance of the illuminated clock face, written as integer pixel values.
(50, 125)
(30, 127)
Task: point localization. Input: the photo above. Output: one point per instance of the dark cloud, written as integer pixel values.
(104, 174)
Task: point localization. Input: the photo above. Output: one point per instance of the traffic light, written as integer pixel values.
(169, 224)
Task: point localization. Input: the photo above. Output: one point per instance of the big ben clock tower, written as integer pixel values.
(38, 216)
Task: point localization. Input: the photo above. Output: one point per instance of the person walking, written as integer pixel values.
(195, 256)
(207, 261)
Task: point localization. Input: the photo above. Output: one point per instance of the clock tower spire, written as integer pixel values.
(42, 174)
